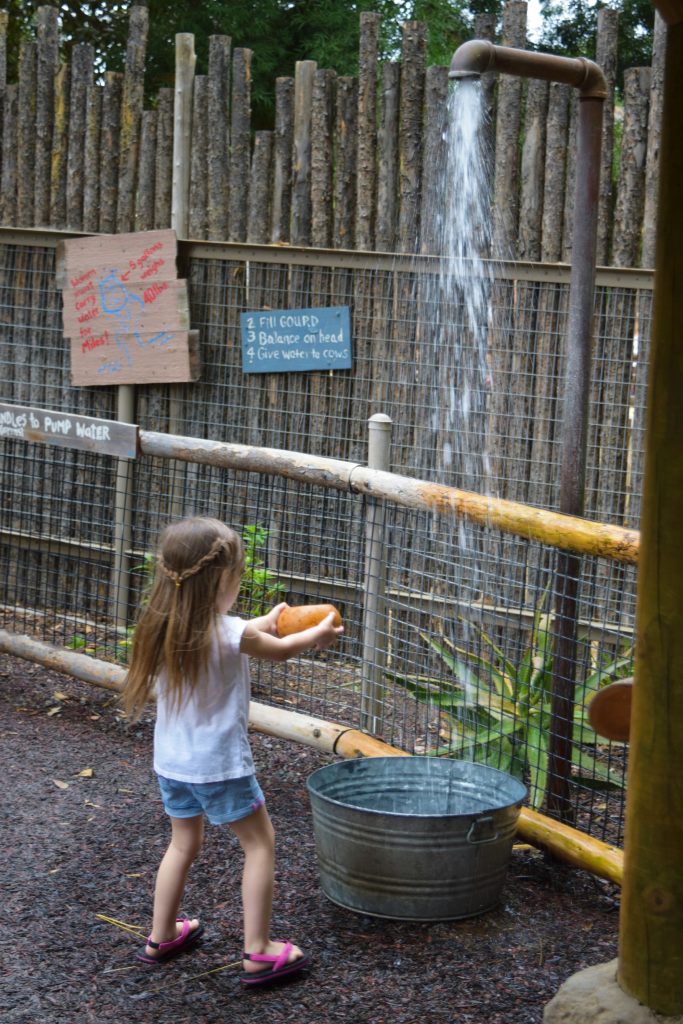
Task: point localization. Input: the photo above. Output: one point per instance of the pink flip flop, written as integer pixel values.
(167, 950)
(277, 966)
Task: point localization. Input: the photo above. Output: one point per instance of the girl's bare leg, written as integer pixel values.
(257, 839)
(186, 842)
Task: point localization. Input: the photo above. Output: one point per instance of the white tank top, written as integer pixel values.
(206, 740)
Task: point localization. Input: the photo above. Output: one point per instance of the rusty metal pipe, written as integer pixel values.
(477, 56)
(471, 60)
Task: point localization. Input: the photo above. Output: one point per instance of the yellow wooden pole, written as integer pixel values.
(651, 925)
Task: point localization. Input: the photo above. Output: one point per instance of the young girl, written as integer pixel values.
(190, 653)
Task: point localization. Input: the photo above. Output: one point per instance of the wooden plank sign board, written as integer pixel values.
(125, 311)
(284, 340)
(69, 431)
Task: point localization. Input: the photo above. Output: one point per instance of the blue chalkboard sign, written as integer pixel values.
(284, 340)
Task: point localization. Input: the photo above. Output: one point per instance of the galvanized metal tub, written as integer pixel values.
(414, 838)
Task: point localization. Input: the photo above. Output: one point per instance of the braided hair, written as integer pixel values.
(176, 624)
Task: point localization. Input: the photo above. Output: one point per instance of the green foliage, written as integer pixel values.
(499, 711)
(260, 589)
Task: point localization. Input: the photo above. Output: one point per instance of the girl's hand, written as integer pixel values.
(326, 633)
(268, 623)
(259, 642)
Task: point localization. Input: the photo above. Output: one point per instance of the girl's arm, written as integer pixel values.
(261, 644)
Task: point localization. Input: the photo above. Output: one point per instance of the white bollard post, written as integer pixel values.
(374, 617)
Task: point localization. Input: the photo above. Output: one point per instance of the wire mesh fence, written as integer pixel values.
(451, 667)
(413, 359)
(461, 657)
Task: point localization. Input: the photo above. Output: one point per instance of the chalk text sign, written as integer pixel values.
(285, 340)
(68, 431)
(125, 311)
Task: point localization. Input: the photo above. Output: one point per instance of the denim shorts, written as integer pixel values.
(221, 802)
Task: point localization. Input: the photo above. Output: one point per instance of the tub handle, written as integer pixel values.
(482, 830)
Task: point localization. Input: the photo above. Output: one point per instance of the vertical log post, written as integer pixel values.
(82, 83)
(4, 18)
(366, 178)
(26, 136)
(198, 201)
(144, 204)
(131, 114)
(109, 152)
(387, 159)
(48, 54)
(606, 58)
(301, 158)
(435, 156)
(240, 129)
(91, 170)
(163, 171)
(410, 140)
(219, 137)
(651, 922)
(322, 157)
(260, 189)
(653, 143)
(8, 193)
(182, 132)
(282, 160)
(60, 141)
(374, 627)
(346, 139)
(508, 124)
(647, 259)
(555, 172)
(532, 171)
(570, 180)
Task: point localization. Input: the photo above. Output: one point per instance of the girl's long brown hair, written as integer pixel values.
(176, 623)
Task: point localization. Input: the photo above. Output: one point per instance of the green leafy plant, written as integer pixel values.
(498, 712)
(260, 589)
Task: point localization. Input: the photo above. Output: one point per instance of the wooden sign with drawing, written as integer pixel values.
(125, 311)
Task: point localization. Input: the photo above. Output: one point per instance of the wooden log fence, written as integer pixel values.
(56, 119)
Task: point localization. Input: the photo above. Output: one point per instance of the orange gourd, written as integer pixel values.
(294, 620)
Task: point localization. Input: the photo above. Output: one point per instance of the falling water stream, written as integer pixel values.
(465, 291)
(463, 321)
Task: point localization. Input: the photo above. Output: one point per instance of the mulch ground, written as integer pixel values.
(82, 834)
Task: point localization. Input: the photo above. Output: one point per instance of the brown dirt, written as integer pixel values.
(77, 847)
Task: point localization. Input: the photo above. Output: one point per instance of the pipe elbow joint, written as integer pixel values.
(472, 59)
(594, 84)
